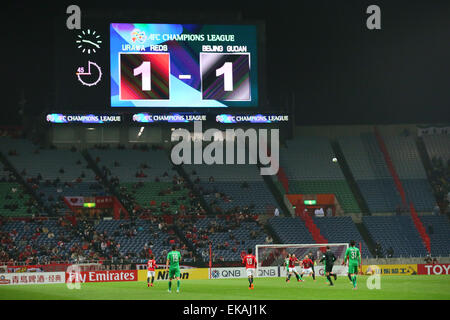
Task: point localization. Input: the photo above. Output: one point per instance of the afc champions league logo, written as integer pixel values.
(138, 36)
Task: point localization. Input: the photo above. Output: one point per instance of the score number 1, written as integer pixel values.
(144, 76)
(227, 71)
(145, 69)
(225, 76)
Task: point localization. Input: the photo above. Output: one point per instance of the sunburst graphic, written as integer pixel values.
(89, 41)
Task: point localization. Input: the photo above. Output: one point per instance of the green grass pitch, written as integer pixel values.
(392, 288)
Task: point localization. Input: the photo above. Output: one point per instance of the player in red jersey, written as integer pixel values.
(291, 269)
(250, 264)
(151, 265)
(307, 265)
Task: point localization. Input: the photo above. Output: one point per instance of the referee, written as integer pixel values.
(313, 258)
(328, 259)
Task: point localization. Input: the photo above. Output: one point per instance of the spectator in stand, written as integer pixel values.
(436, 210)
(276, 213)
(390, 252)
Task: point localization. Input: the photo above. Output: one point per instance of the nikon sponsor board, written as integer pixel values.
(229, 273)
(186, 274)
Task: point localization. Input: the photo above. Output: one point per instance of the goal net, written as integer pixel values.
(272, 255)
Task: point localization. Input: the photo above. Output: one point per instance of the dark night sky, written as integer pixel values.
(321, 51)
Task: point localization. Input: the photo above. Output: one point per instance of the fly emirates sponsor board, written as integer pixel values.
(101, 276)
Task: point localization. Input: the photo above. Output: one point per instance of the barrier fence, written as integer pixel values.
(95, 273)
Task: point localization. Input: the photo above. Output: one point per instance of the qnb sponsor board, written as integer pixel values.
(433, 269)
(186, 274)
(228, 273)
(101, 276)
(31, 278)
(391, 269)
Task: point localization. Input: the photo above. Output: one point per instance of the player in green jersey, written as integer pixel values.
(286, 264)
(173, 259)
(354, 261)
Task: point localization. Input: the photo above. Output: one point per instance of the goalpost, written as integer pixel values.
(272, 255)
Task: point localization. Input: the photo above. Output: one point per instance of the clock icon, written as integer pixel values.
(89, 41)
(91, 76)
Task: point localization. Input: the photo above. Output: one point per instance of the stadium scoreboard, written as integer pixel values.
(175, 65)
(115, 66)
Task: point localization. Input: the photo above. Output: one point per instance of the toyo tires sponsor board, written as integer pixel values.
(101, 276)
(433, 269)
(31, 278)
(229, 273)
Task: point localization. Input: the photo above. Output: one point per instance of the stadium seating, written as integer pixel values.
(419, 192)
(125, 163)
(147, 232)
(25, 230)
(438, 146)
(291, 230)
(150, 191)
(406, 159)
(439, 235)
(14, 201)
(373, 178)
(370, 172)
(308, 166)
(53, 173)
(241, 241)
(229, 180)
(397, 232)
(341, 230)
(151, 164)
(309, 158)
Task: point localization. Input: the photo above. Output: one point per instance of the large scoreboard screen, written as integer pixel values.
(113, 65)
(183, 65)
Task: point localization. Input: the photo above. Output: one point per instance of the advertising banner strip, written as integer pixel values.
(434, 269)
(186, 274)
(101, 276)
(230, 273)
(391, 269)
(32, 278)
